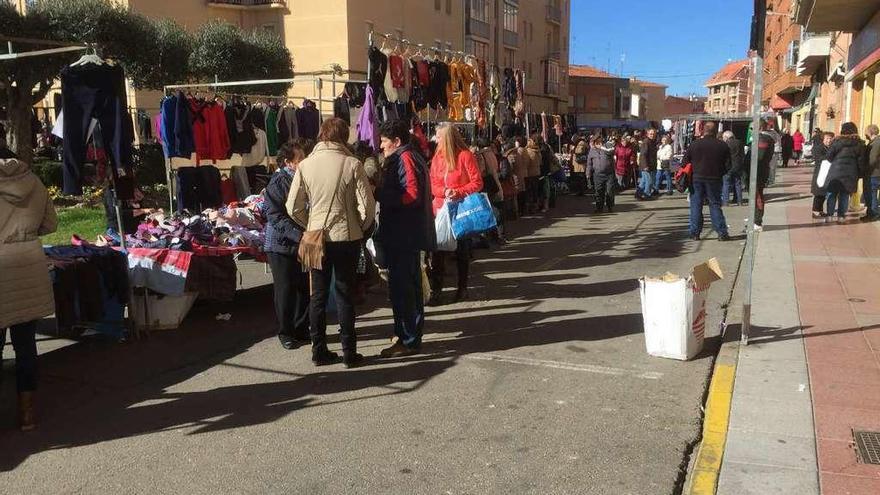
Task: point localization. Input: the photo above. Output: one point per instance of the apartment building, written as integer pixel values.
(789, 94)
(845, 60)
(598, 97)
(730, 89)
(684, 105)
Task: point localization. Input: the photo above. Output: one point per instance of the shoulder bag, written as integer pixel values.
(311, 246)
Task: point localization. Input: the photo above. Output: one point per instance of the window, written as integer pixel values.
(480, 10)
(580, 102)
(477, 48)
(509, 59)
(604, 103)
(510, 17)
(448, 7)
(551, 78)
(436, 4)
(791, 55)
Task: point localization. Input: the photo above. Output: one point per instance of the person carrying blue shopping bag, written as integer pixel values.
(455, 174)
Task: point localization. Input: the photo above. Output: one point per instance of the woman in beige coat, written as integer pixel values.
(331, 193)
(26, 212)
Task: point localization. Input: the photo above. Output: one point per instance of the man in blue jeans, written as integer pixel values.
(708, 157)
(405, 230)
(647, 164)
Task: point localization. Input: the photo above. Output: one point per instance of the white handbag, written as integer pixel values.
(824, 168)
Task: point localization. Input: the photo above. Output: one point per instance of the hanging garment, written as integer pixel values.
(218, 134)
(390, 89)
(242, 128)
(341, 109)
(439, 73)
(308, 120)
(272, 130)
(199, 129)
(376, 70)
(417, 96)
(257, 154)
(94, 91)
(258, 116)
(404, 93)
(287, 127)
(366, 124)
(395, 66)
(422, 73)
(355, 93)
(144, 126)
(240, 180)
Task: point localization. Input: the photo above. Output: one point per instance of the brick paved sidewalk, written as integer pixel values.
(815, 348)
(837, 277)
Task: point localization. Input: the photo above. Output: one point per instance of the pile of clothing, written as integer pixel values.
(237, 225)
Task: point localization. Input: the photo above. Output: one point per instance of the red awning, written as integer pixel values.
(779, 103)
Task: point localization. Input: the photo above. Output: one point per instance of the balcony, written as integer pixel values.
(248, 4)
(553, 53)
(510, 39)
(834, 15)
(814, 50)
(554, 14)
(478, 28)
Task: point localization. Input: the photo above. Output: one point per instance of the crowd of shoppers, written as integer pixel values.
(841, 162)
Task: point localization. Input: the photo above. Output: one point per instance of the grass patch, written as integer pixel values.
(85, 222)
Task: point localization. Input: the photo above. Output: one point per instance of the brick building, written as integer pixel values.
(679, 105)
(599, 96)
(784, 90)
(730, 89)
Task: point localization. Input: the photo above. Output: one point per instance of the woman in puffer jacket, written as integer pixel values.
(26, 212)
(454, 174)
(849, 158)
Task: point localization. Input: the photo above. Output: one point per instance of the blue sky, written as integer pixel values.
(686, 39)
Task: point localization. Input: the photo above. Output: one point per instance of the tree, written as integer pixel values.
(258, 55)
(153, 53)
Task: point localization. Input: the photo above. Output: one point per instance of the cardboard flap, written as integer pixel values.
(706, 273)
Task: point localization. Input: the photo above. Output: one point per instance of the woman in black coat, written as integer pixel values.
(820, 151)
(849, 157)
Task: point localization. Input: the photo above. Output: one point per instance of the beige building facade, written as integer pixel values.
(332, 35)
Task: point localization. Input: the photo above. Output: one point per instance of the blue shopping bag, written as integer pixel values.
(472, 216)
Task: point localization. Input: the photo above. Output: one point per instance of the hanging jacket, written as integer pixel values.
(439, 74)
(244, 136)
(199, 129)
(376, 71)
(183, 145)
(307, 120)
(272, 130)
(287, 126)
(508, 88)
(367, 130)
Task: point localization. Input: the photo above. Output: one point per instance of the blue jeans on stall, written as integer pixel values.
(664, 175)
(870, 188)
(734, 180)
(407, 299)
(838, 200)
(711, 191)
(646, 183)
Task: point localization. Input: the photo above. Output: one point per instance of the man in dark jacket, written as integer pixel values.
(708, 156)
(647, 164)
(734, 174)
(283, 235)
(405, 229)
(600, 165)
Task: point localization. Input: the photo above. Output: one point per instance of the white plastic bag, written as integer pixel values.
(674, 312)
(443, 225)
(824, 168)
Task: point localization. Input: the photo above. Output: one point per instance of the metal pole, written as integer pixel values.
(753, 204)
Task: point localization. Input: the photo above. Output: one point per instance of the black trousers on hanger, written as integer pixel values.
(94, 91)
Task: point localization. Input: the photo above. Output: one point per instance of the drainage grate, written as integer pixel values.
(867, 446)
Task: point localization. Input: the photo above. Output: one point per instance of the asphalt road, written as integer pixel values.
(540, 385)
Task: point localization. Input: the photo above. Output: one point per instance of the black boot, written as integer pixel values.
(352, 360)
(324, 357)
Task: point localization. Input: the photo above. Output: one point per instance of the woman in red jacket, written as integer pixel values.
(624, 158)
(454, 175)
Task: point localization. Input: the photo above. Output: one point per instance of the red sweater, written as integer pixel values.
(464, 179)
(210, 133)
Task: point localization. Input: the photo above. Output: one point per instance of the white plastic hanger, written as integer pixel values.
(89, 58)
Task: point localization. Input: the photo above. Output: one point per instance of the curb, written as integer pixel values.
(710, 452)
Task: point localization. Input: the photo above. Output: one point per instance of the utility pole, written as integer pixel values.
(757, 46)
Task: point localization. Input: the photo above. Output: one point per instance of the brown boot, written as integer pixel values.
(27, 420)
